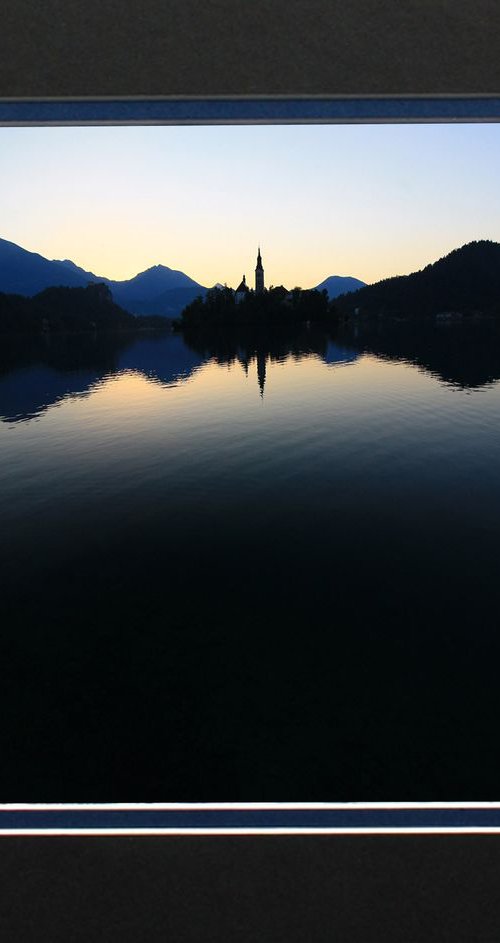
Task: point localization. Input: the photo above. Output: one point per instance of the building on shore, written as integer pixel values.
(241, 291)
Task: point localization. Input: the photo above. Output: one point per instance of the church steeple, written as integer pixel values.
(259, 275)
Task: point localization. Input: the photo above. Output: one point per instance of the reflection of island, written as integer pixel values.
(38, 372)
(247, 345)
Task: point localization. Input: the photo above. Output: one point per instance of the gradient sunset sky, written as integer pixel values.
(364, 200)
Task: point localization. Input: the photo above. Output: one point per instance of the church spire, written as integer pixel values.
(259, 275)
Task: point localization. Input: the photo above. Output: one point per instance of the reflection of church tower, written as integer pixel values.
(261, 372)
(259, 275)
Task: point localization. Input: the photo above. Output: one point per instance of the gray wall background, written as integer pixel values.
(57, 48)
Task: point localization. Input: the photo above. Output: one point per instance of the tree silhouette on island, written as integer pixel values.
(271, 306)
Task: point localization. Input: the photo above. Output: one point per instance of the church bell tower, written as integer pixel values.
(259, 275)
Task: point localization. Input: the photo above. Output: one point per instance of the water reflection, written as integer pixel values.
(466, 356)
(37, 373)
(246, 346)
(208, 600)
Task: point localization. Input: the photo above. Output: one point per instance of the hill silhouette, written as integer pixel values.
(159, 290)
(68, 309)
(465, 282)
(337, 285)
(27, 273)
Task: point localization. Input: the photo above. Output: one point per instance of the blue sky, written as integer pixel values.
(364, 200)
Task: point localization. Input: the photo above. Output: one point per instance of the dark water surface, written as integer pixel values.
(250, 567)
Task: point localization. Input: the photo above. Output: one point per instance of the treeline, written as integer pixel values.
(466, 282)
(274, 306)
(69, 310)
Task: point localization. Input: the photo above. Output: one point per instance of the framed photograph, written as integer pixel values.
(249, 500)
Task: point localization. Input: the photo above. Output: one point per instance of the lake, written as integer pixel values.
(251, 567)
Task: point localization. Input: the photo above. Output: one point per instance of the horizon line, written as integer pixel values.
(218, 282)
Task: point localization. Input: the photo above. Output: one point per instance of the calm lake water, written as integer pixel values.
(251, 567)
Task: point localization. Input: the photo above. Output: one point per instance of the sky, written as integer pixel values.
(370, 201)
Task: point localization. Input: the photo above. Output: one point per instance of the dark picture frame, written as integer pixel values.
(186, 62)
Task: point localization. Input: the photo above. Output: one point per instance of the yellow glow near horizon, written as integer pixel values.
(279, 269)
(366, 201)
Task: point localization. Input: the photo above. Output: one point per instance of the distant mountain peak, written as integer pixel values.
(337, 285)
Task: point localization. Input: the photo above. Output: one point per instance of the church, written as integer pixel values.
(243, 289)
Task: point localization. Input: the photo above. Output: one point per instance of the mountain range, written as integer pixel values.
(158, 290)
